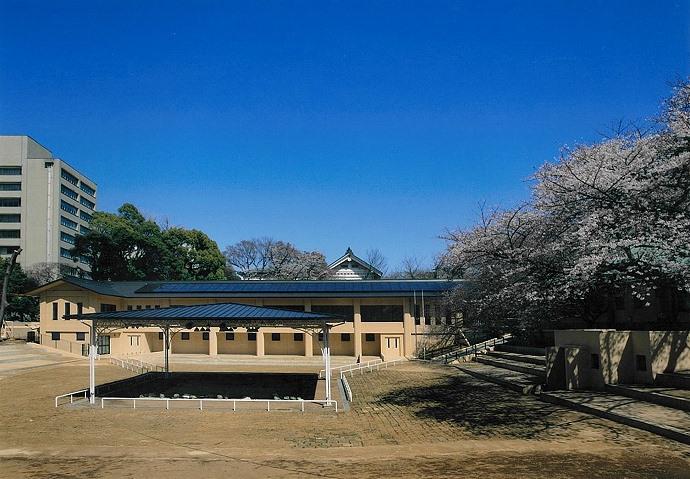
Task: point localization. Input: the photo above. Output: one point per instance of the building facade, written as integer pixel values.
(351, 267)
(384, 318)
(44, 204)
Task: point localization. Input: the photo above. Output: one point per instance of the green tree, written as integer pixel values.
(191, 254)
(19, 306)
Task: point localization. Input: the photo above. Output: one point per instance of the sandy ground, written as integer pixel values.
(415, 420)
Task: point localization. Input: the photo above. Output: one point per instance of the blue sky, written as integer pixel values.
(329, 124)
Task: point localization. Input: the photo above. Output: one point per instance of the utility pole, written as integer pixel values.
(5, 282)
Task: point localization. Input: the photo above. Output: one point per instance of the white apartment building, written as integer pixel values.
(44, 204)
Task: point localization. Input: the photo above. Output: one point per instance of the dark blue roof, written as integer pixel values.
(213, 312)
(264, 289)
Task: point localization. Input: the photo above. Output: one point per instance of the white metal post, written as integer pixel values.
(92, 365)
(327, 361)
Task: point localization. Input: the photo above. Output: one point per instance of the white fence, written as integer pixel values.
(71, 395)
(346, 387)
(136, 365)
(234, 402)
(347, 367)
(370, 367)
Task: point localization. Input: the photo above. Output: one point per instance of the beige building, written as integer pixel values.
(378, 317)
(44, 204)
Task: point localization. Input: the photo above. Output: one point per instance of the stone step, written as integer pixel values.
(664, 421)
(669, 397)
(533, 369)
(521, 358)
(680, 380)
(509, 348)
(519, 382)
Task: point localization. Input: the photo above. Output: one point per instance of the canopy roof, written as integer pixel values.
(218, 314)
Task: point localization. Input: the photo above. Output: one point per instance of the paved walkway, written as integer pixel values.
(16, 356)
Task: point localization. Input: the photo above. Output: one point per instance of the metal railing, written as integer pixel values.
(136, 365)
(201, 401)
(340, 368)
(474, 349)
(71, 395)
(346, 387)
(371, 367)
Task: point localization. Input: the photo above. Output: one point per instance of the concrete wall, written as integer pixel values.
(624, 357)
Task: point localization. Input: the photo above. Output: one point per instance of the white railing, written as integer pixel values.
(339, 369)
(136, 365)
(346, 387)
(371, 367)
(234, 402)
(71, 395)
(473, 349)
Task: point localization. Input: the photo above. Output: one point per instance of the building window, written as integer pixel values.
(594, 361)
(641, 362)
(369, 337)
(229, 336)
(275, 336)
(87, 189)
(55, 312)
(160, 336)
(69, 177)
(298, 337)
(134, 340)
(7, 250)
(65, 253)
(184, 336)
(55, 336)
(344, 337)
(81, 336)
(85, 216)
(204, 336)
(251, 336)
(392, 343)
(64, 206)
(9, 233)
(108, 308)
(10, 170)
(10, 202)
(342, 311)
(129, 307)
(103, 343)
(138, 306)
(68, 192)
(84, 230)
(68, 223)
(68, 309)
(89, 204)
(382, 313)
(80, 308)
(10, 186)
(148, 306)
(67, 238)
(156, 306)
(321, 337)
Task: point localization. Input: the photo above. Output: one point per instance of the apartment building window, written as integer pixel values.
(65, 253)
(275, 336)
(343, 311)
(10, 218)
(9, 233)
(64, 206)
(382, 313)
(14, 186)
(84, 230)
(87, 189)
(251, 336)
(184, 336)
(108, 308)
(55, 312)
(68, 223)
(344, 337)
(10, 202)
(370, 337)
(89, 204)
(7, 250)
(67, 238)
(81, 336)
(85, 216)
(69, 177)
(69, 192)
(55, 336)
(10, 170)
(298, 337)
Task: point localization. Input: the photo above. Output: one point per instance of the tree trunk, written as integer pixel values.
(6, 280)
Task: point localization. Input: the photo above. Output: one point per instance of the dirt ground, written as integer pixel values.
(416, 420)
